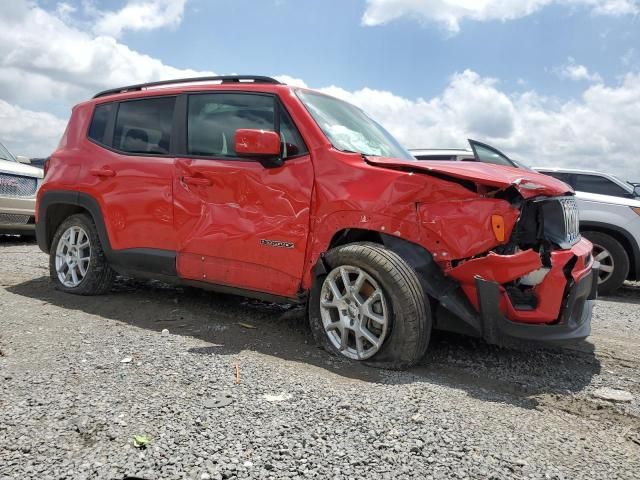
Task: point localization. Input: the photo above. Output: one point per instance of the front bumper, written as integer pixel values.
(574, 321)
(563, 299)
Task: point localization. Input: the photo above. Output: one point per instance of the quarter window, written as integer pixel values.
(98, 126)
(144, 126)
(292, 143)
(214, 118)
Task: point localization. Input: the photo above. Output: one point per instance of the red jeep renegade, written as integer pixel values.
(245, 185)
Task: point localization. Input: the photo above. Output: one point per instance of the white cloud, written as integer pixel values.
(140, 15)
(593, 132)
(46, 60)
(25, 132)
(289, 80)
(43, 58)
(574, 71)
(449, 13)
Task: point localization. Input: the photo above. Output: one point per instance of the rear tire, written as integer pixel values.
(614, 261)
(77, 263)
(383, 308)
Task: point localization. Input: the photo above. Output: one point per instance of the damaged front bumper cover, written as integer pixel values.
(562, 296)
(574, 322)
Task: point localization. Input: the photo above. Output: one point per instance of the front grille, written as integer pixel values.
(561, 221)
(13, 219)
(571, 219)
(17, 186)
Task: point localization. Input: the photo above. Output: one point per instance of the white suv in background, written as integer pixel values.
(610, 219)
(18, 185)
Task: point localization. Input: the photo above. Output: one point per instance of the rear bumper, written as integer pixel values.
(574, 321)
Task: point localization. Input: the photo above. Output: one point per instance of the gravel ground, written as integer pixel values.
(81, 376)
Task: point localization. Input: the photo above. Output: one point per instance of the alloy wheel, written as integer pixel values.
(354, 312)
(602, 255)
(73, 254)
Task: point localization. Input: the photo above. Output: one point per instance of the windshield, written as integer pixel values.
(349, 129)
(6, 154)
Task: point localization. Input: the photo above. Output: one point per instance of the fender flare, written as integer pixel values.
(44, 233)
(433, 281)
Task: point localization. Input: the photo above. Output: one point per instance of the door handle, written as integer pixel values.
(197, 181)
(102, 172)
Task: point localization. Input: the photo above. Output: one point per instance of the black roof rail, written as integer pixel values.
(222, 79)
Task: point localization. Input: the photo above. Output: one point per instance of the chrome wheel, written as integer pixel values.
(602, 255)
(354, 312)
(73, 254)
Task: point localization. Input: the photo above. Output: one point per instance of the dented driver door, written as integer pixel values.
(240, 223)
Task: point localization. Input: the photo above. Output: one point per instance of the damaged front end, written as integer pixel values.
(506, 260)
(538, 285)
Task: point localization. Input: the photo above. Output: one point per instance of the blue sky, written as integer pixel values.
(433, 71)
(324, 43)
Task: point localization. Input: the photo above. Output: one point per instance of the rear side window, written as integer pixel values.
(144, 126)
(98, 126)
(563, 177)
(601, 185)
(214, 118)
(436, 157)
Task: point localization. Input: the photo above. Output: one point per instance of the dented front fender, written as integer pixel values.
(459, 229)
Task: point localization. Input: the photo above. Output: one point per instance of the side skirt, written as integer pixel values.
(160, 265)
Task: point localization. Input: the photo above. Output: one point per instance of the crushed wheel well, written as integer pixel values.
(351, 235)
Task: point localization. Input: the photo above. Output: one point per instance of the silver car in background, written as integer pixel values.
(610, 219)
(19, 183)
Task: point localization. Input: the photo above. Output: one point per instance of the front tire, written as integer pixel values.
(370, 307)
(77, 263)
(614, 261)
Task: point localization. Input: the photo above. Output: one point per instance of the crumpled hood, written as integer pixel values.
(16, 168)
(529, 183)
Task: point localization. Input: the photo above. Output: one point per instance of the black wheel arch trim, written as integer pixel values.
(634, 254)
(433, 281)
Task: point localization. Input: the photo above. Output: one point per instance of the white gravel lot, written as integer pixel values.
(69, 406)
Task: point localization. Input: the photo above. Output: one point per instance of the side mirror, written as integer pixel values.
(257, 143)
(23, 159)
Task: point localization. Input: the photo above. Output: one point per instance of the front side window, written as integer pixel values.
(144, 126)
(214, 118)
(349, 129)
(599, 185)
